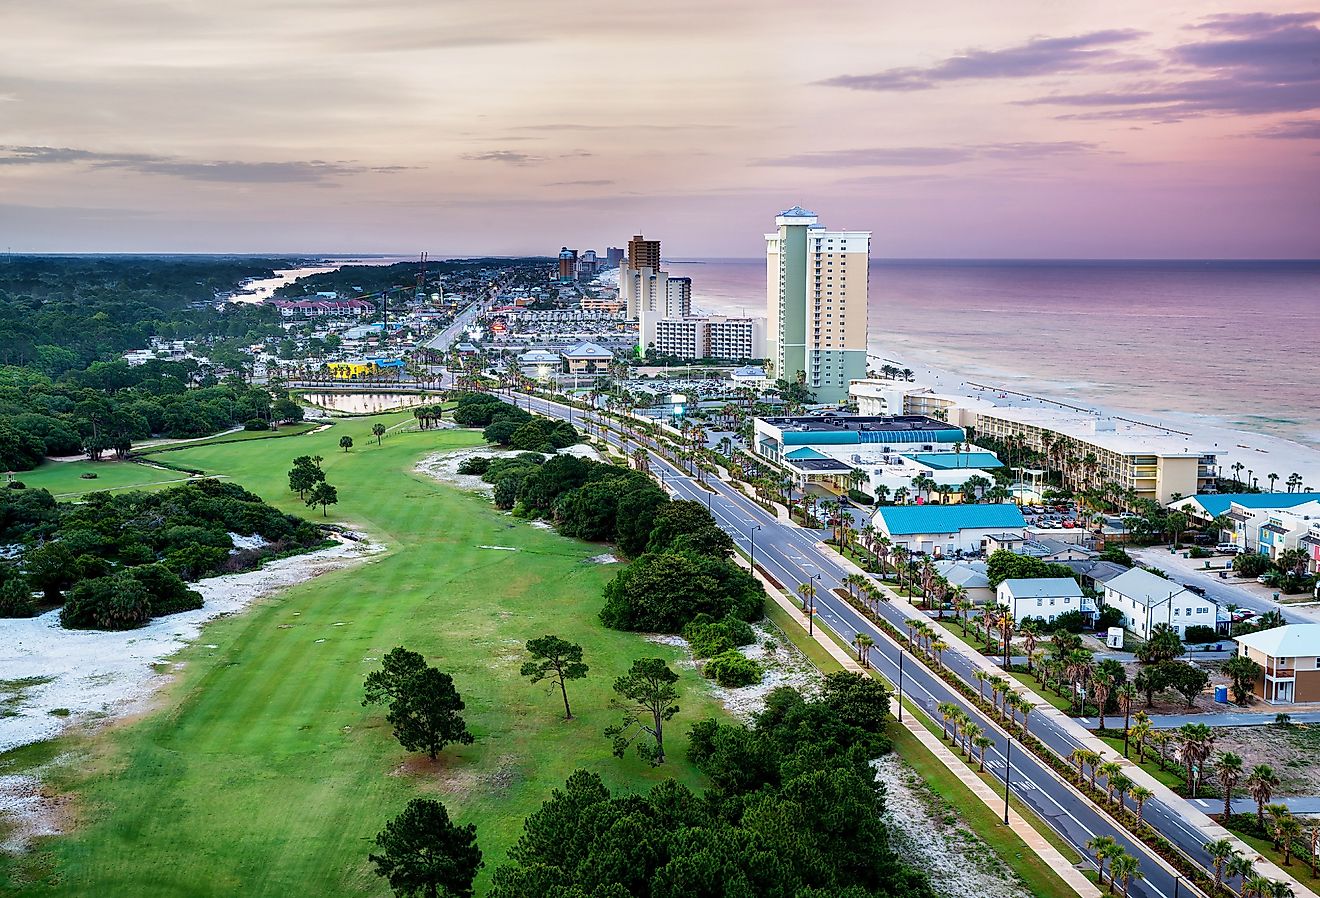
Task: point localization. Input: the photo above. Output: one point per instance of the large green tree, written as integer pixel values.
(425, 714)
(647, 698)
(424, 854)
(556, 660)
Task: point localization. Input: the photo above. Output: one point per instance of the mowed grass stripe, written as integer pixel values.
(263, 775)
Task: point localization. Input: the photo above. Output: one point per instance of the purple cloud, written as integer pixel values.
(228, 171)
(1296, 129)
(1263, 64)
(928, 156)
(1040, 56)
(508, 157)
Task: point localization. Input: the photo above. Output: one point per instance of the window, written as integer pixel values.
(1067, 600)
(1040, 602)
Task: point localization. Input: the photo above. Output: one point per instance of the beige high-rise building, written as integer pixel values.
(816, 291)
(643, 253)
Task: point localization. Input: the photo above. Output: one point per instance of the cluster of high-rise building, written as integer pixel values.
(586, 265)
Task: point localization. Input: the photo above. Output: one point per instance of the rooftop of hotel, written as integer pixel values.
(1124, 437)
(842, 423)
(905, 520)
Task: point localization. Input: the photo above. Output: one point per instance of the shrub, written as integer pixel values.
(168, 593)
(1200, 633)
(117, 602)
(87, 475)
(17, 485)
(860, 497)
(709, 637)
(731, 668)
(255, 425)
(477, 465)
(16, 598)
(1250, 564)
(663, 592)
(1198, 552)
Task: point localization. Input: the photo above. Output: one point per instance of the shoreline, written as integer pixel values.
(1259, 452)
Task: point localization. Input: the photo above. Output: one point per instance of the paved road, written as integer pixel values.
(792, 556)
(441, 341)
(1223, 719)
(1225, 592)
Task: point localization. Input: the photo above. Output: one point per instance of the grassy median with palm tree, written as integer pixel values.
(260, 773)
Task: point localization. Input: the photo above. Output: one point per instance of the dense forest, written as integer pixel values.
(351, 280)
(64, 323)
(113, 562)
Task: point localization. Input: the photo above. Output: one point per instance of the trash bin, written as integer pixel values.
(1221, 694)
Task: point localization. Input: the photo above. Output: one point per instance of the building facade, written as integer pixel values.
(1155, 464)
(567, 265)
(816, 294)
(1289, 657)
(643, 253)
(1043, 597)
(1147, 599)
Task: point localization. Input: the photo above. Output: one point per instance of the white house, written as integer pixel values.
(1147, 599)
(971, 576)
(1046, 597)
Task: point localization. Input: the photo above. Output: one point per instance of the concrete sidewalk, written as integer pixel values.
(992, 798)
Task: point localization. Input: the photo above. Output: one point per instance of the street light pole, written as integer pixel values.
(811, 612)
(1008, 774)
(900, 682)
(751, 535)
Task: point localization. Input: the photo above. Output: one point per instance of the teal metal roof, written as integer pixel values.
(906, 520)
(1217, 503)
(953, 460)
(805, 452)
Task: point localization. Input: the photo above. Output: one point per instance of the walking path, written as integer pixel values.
(992, 798)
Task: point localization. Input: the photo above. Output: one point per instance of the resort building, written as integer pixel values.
(587, 358)
(816, 295)
(1043, 597)
(612, 304)
(1288, 657)
(325, 308)
(749, 376)
(945, 530)
(893, 434)
(1146, 599)
(881, 396)
(540, 364)
(1154, 463)
(643, 253)
(567, 265)
(715, 337)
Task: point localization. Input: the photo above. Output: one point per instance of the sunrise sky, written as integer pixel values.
(956, 128)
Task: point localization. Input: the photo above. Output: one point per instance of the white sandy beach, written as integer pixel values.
(1259, 453)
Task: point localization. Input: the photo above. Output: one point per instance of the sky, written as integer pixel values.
(951, 129)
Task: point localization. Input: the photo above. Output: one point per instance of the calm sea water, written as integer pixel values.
(1239, 341)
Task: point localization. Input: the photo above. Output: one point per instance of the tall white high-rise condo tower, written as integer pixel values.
(816, 282)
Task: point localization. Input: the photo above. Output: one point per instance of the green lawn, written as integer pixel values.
(261, 774)
(64, 479)
(286, 430)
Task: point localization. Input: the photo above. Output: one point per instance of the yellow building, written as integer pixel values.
(365, 369)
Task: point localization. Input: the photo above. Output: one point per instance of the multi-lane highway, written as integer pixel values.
(792, 556)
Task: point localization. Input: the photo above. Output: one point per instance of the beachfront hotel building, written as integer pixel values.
(816, 293)
(1153, 462)
(713, 337)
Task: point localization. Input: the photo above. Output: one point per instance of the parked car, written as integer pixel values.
(1264, 579)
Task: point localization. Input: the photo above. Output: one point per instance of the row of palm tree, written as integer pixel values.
(1123, 867)
(1228, 865)
(962, 731)
(1003, 698)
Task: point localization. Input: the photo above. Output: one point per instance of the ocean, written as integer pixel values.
(1176, 341)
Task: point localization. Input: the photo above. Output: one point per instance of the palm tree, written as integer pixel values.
(1197, 742)
(1078, 757)
(937, 646)
(1140, 795)
(1101, 686)
(1103, 847)
(1261, 783)
(1228, 770)
(1025, 706)
(1093, 759)
(946, 711)
(806, 591)
(1030, 636)
(1124, 868)
(1109, 770)
(1220, 850)
(1141, 731)
(982, 743)
(980, 676)
(1294, 481)
(1272, 478)
(1287, 829)
(1238, 867)
(1127, 694)
(378, 431)
(1313, 837)
(970, 733)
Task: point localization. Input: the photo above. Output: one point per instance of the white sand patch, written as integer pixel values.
(30, 813)
(443, 466)
(539, 525)
(581, 450)
(604, 558)
(100, 675)
(240, 541)
(928, 833)
(784, 666)
(501, 548)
